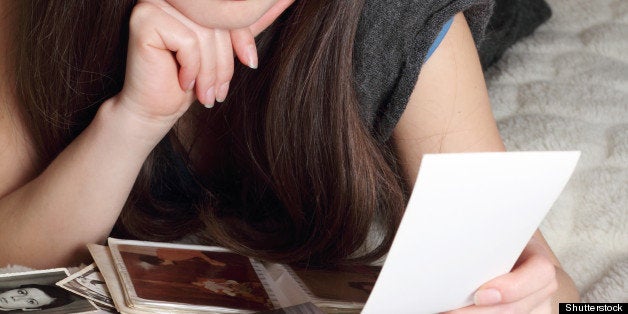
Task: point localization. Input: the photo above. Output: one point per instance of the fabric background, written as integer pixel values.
(565, 87)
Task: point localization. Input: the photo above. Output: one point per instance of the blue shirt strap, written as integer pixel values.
(439, 38)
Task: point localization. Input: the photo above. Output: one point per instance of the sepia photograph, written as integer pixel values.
(191, 277)
(37, 291)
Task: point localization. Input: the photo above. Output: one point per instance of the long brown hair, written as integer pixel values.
(298, 175)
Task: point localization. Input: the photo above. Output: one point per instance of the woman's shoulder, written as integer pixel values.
(392, 41)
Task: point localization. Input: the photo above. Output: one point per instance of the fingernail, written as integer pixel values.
(191, 85)
(487, 297)
(209, 97)
(251, 53)
(222, 92)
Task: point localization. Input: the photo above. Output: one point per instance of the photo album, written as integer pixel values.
(151, 277)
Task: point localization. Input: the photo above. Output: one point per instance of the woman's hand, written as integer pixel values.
(528, 288)
(172, 60)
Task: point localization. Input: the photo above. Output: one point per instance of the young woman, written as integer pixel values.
(306, 156)
(33, 297)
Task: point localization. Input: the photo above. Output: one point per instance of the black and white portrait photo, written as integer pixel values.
(36, 291)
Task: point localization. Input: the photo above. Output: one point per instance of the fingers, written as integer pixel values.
(187, 57)
(244, 47)
(206, 80)
(224, 62)
(215, 55)
(538, 302)
(534, 274)
(162, 64)
(528, 288)
(177, 38)
(216, 67)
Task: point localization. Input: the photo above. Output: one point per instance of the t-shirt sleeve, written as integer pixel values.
(392, 42)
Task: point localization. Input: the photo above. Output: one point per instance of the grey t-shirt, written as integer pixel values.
(391, 43)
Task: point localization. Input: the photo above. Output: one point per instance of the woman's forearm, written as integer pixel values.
(77, 199)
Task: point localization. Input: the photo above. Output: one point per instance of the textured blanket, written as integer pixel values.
(566, 88)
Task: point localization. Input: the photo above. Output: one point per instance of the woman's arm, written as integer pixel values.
(76, 200)
(449, 111)
(46, 219)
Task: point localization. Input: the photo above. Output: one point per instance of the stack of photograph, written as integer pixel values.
(150, 277)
